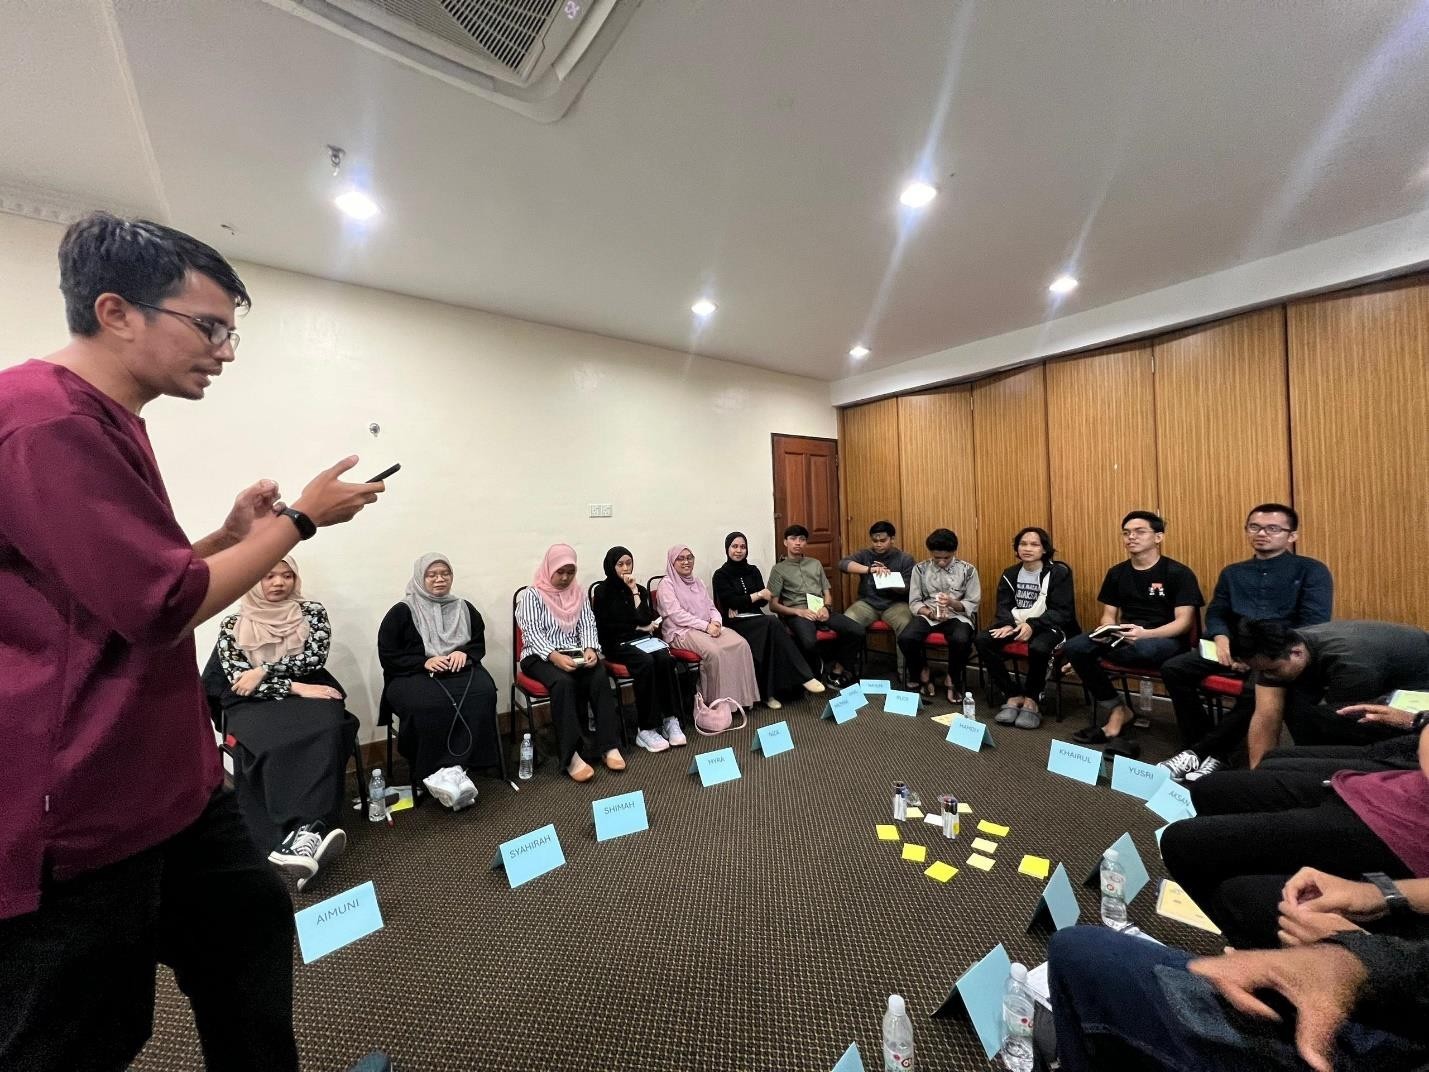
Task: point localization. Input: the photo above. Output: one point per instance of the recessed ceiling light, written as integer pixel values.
(858, 352)
(703, 307)
(357, 205)
(1063, 284)
(917, 194)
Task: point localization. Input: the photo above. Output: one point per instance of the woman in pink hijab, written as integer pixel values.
(561, 649)
(691, 620)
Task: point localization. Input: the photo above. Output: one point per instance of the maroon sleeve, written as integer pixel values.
(78, 507)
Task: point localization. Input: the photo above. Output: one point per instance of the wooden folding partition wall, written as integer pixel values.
(1321, 403)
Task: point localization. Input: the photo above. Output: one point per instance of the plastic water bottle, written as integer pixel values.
(897, 1036)
(1017, 1012)
(528, 753)
(1113, 890)
(1148, 694)
(377, 797)
(969, 706)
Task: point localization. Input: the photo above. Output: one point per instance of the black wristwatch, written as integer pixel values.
(1420, 721)
(1393, 897)
(306, 529)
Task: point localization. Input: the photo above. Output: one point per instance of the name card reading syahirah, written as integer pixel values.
(530, 855)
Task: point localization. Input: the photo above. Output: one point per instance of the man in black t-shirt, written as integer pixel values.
(1151, 603)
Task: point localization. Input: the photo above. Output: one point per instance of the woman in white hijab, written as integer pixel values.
(430, 646)
(288, 728)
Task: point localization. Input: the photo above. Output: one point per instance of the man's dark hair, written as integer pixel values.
(1047, 549)
(1278, 508)
(796, 530)
(882, 526)
(1263, 640)
(942, 540)
(1157, 525)
(139, 260)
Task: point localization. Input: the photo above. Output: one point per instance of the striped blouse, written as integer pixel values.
(541, 634)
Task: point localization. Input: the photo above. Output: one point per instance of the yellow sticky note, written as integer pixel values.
(1036, 866)
(986, 827)
(401, 805)
(941, 872)
(916, 853)
(887, 832)
(915, 813)
(983, 845)
(1174, 903)
(982, 863)
(965, 809)
(943, 720)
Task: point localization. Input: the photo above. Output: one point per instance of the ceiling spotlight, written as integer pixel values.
(918, 194)
(859, 352)
(703, 307)
(1063, 284)
(357, 205)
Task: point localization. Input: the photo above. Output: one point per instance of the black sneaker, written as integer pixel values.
(296, 854)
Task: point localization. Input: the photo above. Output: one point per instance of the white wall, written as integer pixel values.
(506, 431)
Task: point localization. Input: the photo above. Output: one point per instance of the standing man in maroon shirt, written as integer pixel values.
(119, 847)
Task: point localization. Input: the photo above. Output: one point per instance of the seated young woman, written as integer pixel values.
(1036, 604)
(741, 596)
(289, 731)
(430, 646)
(624, 615)
(560, 648)
(690, 620)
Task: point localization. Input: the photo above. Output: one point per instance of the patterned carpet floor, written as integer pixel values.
(758, 924)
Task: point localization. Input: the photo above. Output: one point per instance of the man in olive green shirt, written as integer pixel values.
(791, 582)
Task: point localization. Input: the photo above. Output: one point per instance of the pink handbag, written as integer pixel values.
(713, 719)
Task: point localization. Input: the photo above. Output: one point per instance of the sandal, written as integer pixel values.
(953, 696)
(1091, 735)
(927, 688)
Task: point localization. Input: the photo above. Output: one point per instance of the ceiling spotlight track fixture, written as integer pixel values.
(335, 155)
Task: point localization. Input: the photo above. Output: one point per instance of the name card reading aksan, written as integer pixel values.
(620, 815)
(338, 921)
(530, 855)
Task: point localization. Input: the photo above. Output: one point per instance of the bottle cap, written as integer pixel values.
(896, 1005)
(1019, 972)
(1111, 854)
(377, 772)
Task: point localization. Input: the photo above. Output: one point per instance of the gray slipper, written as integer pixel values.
(1007, 716)
(1027, 719)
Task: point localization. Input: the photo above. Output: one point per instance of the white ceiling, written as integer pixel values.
(753, 150)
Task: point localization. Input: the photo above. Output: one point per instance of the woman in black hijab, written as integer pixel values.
(741, 596)
(626, 621)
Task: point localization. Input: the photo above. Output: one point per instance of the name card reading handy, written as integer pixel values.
(534, 844)
(336, 910)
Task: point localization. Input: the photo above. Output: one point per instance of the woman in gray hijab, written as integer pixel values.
(430, 646)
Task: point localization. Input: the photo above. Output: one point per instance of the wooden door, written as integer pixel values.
(806, 492)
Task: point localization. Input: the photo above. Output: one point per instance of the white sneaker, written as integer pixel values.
(772, 704)
(466, 789)
(1181, 764)
(1208, 766)
(445, 785)
(673, 733)
(651, 741)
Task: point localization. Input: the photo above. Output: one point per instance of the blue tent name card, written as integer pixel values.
(1074, 762)
(530, 855)
(1135, 778)
(970, 734)
(716, 767)
(874, 685)
(1058, 907)
(620, 815)
(338, 921)
(1131, 863)
(773, 739)
(977, 998)
(1172, 802)
(898, 702)
(843, 707)
(851, 1061)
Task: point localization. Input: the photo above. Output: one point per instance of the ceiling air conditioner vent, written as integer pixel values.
(533, 56)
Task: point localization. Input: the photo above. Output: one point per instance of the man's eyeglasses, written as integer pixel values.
(215, 331)
(1269, 530)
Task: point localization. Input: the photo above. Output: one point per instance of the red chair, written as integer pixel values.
(1218, 688)
(685, 659)
(620, 677)
(1126, 673)
(531, 691)
(1018, 650)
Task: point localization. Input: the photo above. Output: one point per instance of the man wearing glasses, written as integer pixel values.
(1149, 605)
(119, 847)
(1274, 584)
